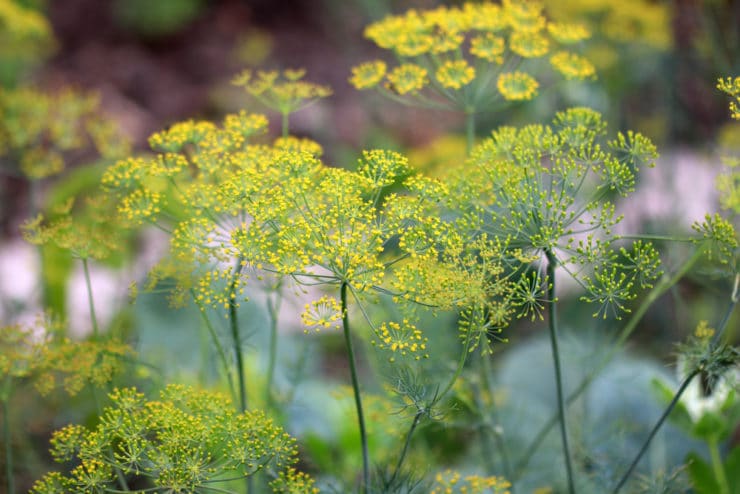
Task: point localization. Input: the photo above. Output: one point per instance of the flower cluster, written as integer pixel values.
(731, 86)
(91, 233)
(728, 184)
(284, 92)
(451, 482)
(545, 189)
(38, 129)
(42, 354)
(237, 209)
(187, 441)
(26, 37)
(455, 54)
(632, 21)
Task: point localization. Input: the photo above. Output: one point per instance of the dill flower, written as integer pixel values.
(407, 78)
(368, 75)
(517, 86)
(572, 66)
(39, 129)
(322, 313)
(498, 34)
(447, 40)
(731, 86)
(451, 481)
(534, 196)
(529, 44)
(568, 33)
(455, 74)
(488, 47)
(44, 355)
(524, 16)
(284, 91)
(401, 338)
(183, 441)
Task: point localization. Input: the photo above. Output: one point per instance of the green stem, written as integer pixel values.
(10, 481)
(654, 431)
(553, 325)
(469, 131)
(216, 343)
(500, 443)
(273, 308)
(718, 467)
(236, 339)
(734, 298)
(662, 287)
(356, 389)
(238, 354)
(90, 301)
(414, 424)
(458, 370)
(285, 124)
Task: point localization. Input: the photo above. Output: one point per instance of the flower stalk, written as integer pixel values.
(553, 326)
(355, 389)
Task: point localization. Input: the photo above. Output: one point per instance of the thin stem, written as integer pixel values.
(659, 289)
(553, 325)
(469, 131)
(236, 339)
(655, 429)
(718, 467)
(458, 370)
(217, 343)
(285, 123)
(356, 389)
(500, 443)
(273, 308)
(414, 424)
(710, 348)
(10, 481)
(90, 300)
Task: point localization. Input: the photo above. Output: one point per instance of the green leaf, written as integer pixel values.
(702, 477)
(732, 468)
(711, 426)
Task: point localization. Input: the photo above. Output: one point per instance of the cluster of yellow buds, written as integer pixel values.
(453, 56)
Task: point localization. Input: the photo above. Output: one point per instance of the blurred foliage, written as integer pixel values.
(26, 39)
(157, 19)
(40, 131)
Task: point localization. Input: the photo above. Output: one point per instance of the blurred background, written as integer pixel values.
(153, 63)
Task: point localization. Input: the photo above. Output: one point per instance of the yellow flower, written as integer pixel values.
(368, 74)
(407, 78)
(568, 33)
(488, 47)
(404, 338)
(517, 86)
(455, 74)
(572, 66)
(524, 16)
(447, 41)
(485, 16)
(529, 44)
(731, 86)
(322, 314)
(413, 44)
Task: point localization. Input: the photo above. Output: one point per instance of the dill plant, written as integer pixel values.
(186, 441)
(473, 58)
(42, 355)
(483, 245)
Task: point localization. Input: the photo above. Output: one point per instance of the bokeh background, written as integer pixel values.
(153, 63)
